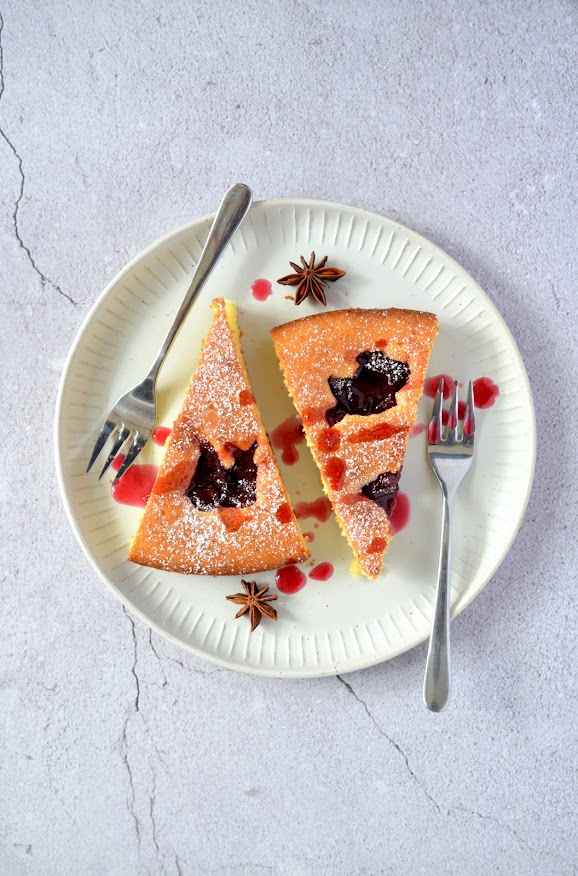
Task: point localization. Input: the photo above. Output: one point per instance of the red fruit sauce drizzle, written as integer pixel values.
(290, 579)
(485, 392)
(286, 436)
(261, 289)
(430, 385)
(469, 424)
(334, 471)
(322, 572)
(161, 434)
(135, 486)
(309, 536)
(418, 429)
(434, 431)
(320, 509)
(400, 514)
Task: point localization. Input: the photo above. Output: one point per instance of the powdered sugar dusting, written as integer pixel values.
(173, 534)
(333, 340)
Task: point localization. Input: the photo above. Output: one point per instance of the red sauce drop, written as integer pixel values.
(485, 392)
(375, 433)
(290, 579)
(161, 434)
(232, 518)
(377, 546)
(434, 432)
(311, 415)
(335, 472)
(246, 397)
(328, 440)
(430, 386)
(400, 514)
(135, 486)
(469, 423)
(261, 289)
(451, 418)
(381, 343)
(283, 513)
(309, 536)
(322, 572)
(418, 429)
(434, 435)
(320, 509)
(286, 436)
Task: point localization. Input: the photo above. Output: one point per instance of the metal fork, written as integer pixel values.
(450, 457)
(133, 416)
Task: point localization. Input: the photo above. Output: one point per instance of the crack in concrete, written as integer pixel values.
(152, 797)
(178, 663)
(156, 653)
(15, 224)
(504, 826)
(444, 810)
(133, 667)
(397, 747)
(26, 846)
(232, 868)
(556, 296)
(132, 801)
(136, 710)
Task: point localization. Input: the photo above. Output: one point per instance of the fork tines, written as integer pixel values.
(435, 429)
(119, 434)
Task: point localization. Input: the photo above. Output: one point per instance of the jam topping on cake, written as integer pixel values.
(356, 377)
(372, 388)
(218, 505)
(214, 486)
(383, 490)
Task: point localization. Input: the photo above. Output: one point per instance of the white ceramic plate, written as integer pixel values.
(342, 624)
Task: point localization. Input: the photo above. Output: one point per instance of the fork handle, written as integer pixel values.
(232, 210)
(436, 686)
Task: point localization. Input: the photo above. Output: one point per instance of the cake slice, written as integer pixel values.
(356, 377)
(218, 506)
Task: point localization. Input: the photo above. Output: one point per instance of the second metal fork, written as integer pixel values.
(133, 416)
(450, 456)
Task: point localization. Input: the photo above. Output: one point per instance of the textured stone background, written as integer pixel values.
(121, 120)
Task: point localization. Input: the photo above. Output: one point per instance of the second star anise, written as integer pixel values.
(255, 601)
(311, 279)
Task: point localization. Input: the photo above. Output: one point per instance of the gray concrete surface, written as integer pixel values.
(121, 120)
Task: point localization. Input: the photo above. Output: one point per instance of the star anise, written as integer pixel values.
(255, 602)
(311, 279)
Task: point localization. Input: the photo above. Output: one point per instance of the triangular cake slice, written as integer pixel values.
(218, 505)
(356, 377)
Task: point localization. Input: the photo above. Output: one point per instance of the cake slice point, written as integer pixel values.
(218, 505)
(356, 377)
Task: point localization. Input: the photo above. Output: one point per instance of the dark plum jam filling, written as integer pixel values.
(372, 388)
(383, 490)
(214, 486)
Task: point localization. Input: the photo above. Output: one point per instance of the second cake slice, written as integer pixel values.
(356, 377)
(218, 506)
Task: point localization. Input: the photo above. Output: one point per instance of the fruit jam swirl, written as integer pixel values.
(372, 388)
(214, 486)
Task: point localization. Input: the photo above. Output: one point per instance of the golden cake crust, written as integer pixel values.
(219, 408)
(354, 451)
